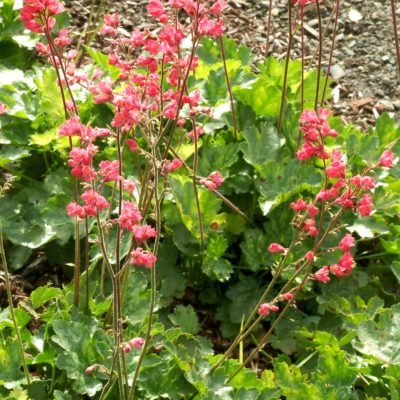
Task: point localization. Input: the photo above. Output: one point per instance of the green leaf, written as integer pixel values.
(293, 384)
(395, 267)
(264, 97)
(217, 156)
(80, 348)
(381, 339)
(182, 188)
(137, 298)
(10, 363)
(280, 181)
(262, 146)
(43, 294)
(186, 318)
(61, 395)
(11, 153)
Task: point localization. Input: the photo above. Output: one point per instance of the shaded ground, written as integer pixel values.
(364, 62)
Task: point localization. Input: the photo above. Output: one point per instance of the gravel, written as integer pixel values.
(364, 65)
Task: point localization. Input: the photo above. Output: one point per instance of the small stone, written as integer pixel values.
(337, 72)
(386, 104)
(355, 16)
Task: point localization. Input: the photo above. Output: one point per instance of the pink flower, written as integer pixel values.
(157, 10)
(140, 257)
(218, 7)
(364, 205)
(211, 28)
(303, 3)
(337, 270)
(128, 186)
(322, 275)
(75, 210)
(62, 40)
(110, 170)
(110, 26)
(171, 166)
(195, 133)
(276, 248)
(102, 92)
(136, 342)
(312, 210)
(347, 263)
(266, 308)
(3, 108)
(288, 296)
(337, 168)
(93, 202)
(216, 178)
(133, 145)
(363, 182)
(143, 232)
(347, 243)
(72, 127)
(310, 256)
(129, 216)
(310, 228)
(300, 205)
(386, 159)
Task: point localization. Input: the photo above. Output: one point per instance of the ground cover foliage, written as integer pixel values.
(330, 340)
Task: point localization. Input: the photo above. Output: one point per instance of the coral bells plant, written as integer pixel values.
(317, 221)
(150, 101)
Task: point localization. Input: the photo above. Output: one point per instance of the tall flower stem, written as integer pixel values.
(11, 306)
(287, 60)
(320, 43)
(228, 85)
(157, 213)
(269, 23)
(331, 51)
(395, 32)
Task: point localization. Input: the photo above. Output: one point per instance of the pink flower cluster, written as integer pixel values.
(3, 108)
(266, 308)
(345, 264)
(140, 257)
(135, 343)
(303, 3)
(315, 128)
(348, 192)
(340, 191)
(37, 14)
(213, 181)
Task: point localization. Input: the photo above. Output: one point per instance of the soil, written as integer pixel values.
(364, 66)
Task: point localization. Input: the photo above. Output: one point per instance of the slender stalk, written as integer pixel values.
(157, 213)
(196, 192)
(228, 85)
(87, 264)
(77, 270)
(11, 306)
(283, 95)
(302, 59)
(395, 32)
(302, 71)
(331, 51)
(268, 289)
(320, 43)
(268, 28)
(265, 338)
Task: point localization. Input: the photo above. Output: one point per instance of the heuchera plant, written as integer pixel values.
(318, 219)
(151, 105)
(150, 102)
